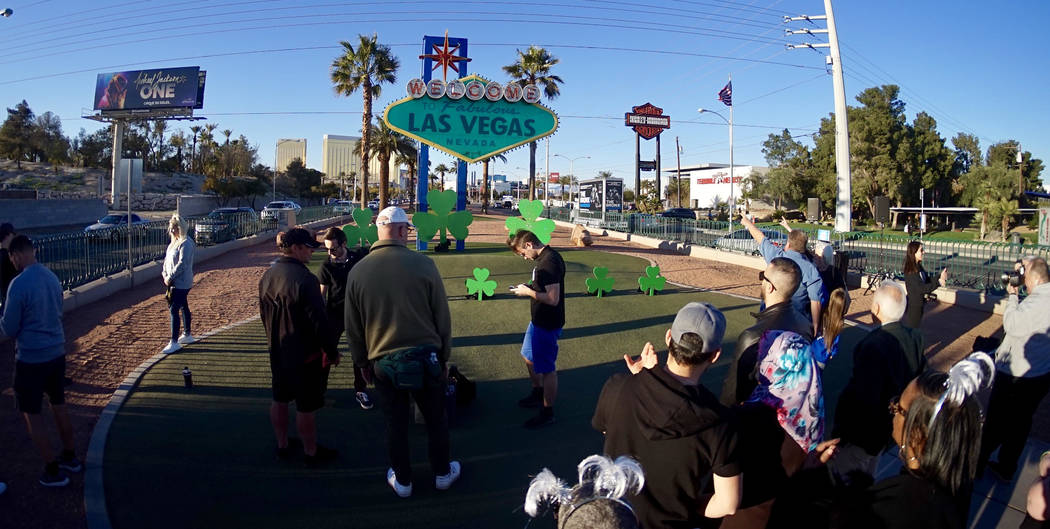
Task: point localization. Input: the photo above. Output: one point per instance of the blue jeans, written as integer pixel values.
(179, 303)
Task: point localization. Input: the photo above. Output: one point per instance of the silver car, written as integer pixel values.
(741, 240)
(273, 209)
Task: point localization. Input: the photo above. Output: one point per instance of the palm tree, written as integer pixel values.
(412, 161)
(441, 170)
(385, 144)
(364, 68)
(1006, 208)
(196, 130)
(533, 67)
(485, 179)
(178, 141)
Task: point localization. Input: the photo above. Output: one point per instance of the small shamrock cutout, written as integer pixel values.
(481, 284)
(364, 233)
(529, 220)
(651, 281)
(440, 217)
(600, 282)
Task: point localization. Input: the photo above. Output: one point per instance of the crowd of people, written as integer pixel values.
(675, 455)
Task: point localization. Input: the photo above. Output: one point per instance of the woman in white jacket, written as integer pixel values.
(178, 277)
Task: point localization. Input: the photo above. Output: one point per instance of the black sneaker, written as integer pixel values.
(539, 421)
(54, 478)
(321, 456)
(534, 400)
(288, 452)
(70, 463)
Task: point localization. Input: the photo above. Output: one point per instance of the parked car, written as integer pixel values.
(343, 207)
(273, 209)
(105, 228)
(741, 240)
(678, 213)
(223, 224)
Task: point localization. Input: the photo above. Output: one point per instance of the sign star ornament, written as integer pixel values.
(445, 58)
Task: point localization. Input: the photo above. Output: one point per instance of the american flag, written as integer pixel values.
(725, 95)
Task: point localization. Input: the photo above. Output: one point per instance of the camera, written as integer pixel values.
(1013, 278)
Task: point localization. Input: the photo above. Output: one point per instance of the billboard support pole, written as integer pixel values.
(118, 146)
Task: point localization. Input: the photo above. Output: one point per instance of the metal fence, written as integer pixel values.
(78, 258)
(970, 264)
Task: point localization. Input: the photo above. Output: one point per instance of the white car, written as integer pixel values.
(343, 207)
(741, 240)
(506, 201)
(273, 209)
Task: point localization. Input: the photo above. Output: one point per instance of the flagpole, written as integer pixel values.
(732, 205)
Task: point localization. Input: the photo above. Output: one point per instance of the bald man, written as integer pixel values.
(778, 282)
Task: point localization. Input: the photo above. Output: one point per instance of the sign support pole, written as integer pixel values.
(659, 198)
(118, 148)
(637, 169)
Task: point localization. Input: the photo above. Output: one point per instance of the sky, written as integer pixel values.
(974, 68)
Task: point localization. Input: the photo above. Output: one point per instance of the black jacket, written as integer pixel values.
(679, 433)
(884, 362)
(293, 313)
(918, 284)
(741, 381)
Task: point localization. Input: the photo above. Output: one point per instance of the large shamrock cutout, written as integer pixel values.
(365, 233)
(599, 282)
(481, 283)
(651, 281)
(440, 217)
(529, 220)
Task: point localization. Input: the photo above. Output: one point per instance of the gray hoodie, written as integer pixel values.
(178, 263)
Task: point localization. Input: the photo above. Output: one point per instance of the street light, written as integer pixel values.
(730, 122)
(572, 176)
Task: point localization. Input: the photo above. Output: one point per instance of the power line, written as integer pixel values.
(167, 20)
(327, 47)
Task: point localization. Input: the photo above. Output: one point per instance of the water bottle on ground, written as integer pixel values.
(187, 376)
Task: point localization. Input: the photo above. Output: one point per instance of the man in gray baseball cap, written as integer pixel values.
(662, 416)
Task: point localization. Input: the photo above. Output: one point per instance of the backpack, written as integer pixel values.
(466, 389)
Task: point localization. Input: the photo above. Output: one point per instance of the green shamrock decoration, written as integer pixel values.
(481, 284)
(651, 281)
(364, 233)
(440, 217)
(529, 220)
(600, 282)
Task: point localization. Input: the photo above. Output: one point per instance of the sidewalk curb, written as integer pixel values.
(95, 508)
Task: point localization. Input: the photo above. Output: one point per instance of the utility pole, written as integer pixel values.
(678, 171)
(843, 208)
(1020, 173)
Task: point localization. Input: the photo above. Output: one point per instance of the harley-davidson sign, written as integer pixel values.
(647, 120)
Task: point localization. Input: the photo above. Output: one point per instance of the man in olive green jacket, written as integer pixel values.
(396, 304)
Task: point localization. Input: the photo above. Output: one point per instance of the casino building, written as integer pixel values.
(710, 181)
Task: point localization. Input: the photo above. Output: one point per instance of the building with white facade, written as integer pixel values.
(337, 157)
(289, 149)
(709, 182)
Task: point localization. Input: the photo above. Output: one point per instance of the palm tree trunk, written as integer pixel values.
(366, 125)
(485, 186)
(532, 170)
(384, 181)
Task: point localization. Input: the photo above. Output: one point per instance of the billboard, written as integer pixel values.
(148, 89)
(591, 195)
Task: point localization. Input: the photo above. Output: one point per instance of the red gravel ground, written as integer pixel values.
(107, 340)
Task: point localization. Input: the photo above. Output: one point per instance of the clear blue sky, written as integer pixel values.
(973, 66)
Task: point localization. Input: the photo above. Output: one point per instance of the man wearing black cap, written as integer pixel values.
(7, 268)
(663, 417)
(300, 340)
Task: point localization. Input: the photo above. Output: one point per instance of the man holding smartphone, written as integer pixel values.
(540, 347)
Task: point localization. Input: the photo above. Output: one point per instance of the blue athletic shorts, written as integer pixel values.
(540, 348)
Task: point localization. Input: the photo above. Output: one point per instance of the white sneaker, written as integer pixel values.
(446, 481)
(403, 491)
(187, 339)
(171, 348)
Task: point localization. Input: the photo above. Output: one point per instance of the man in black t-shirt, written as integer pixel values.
(7, 268)
(332, 275)
(662, 416)
(540, 347)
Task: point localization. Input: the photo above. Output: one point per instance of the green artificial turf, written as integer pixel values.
(202, 457)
